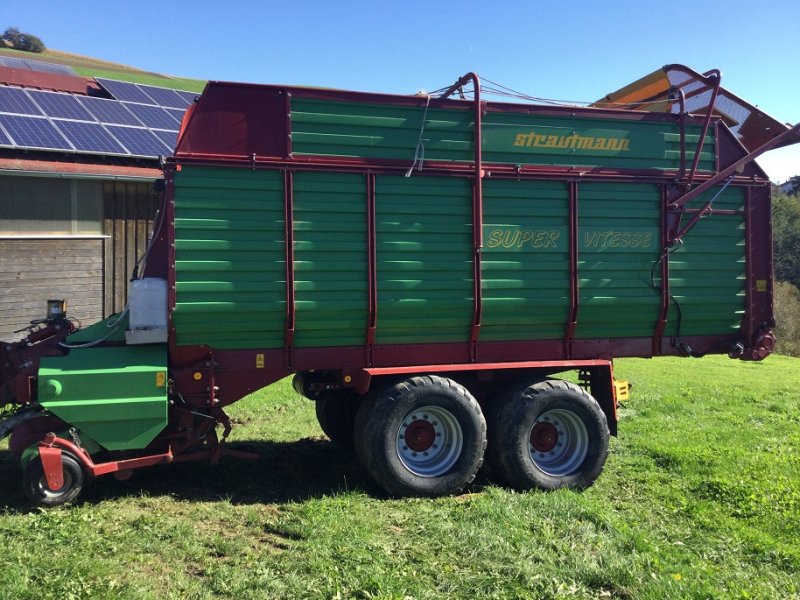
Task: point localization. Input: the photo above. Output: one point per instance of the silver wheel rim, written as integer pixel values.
(429, 441)
(46, 492)
(558, 442)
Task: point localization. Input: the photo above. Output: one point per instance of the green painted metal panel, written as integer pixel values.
(331, 259)
(547, 140)
(525, 265)
(327, 128)
(708, 272)
(384, 131)
(618, 242)
(424, 256)
(230, 266)
(116, 395)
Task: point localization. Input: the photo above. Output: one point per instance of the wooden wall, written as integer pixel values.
(128, 211)
(91, 273)
(35, 271)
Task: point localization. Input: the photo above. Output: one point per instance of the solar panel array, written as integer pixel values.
(35, 65)
(141, 120)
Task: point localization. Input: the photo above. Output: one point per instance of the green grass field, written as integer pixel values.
(700, 499)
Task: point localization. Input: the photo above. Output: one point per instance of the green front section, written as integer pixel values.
(230, 265)
(231, 260)
(384, 131)
(116, 396)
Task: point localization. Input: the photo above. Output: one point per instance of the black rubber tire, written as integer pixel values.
(378, 425)
(511, 420)
(34, 483)
(336, 414)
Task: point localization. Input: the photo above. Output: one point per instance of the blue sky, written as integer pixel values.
(578, 50)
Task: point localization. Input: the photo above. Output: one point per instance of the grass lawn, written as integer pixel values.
(700, 498)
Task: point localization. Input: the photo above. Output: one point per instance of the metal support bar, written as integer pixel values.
(477, 208)
(717, 76)
(682, 127)
(372, 266)
(289, 240)
(701, 213)
(734, 168)
(574, 292)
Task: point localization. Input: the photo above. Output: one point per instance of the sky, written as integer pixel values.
(576, 50)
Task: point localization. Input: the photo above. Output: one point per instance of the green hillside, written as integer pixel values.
(93, 67)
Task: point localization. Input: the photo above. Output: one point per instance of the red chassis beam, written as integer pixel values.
(52, 446)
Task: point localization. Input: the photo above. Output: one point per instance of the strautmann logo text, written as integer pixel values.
(578, 142)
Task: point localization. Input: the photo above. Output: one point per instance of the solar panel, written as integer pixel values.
(170, 138)
(176, 113)
(154, 117)
(109, 111)
(35, 65)
(33, 132)
(123, 90)
(4, 139)
(15, 100)
(90, 137)
(164, 97)
(189, 97)
(64, 106)
(139, 141)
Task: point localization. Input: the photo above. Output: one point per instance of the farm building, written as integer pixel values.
(78, 158)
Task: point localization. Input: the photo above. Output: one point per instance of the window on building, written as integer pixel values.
(32, 206)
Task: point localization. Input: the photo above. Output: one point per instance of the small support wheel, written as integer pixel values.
(548, 435)
(34, 482)
(424, 436)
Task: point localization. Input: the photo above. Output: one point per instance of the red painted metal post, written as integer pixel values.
(289, 239)
(477, 221)
(574, 292)
(717, 76)
(663, 314)
(682, 128)
(372, 266)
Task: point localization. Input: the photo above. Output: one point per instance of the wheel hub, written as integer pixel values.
(544, 437)
(429, 441)
(419, 435)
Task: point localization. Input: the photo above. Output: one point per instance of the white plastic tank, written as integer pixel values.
(148, 303)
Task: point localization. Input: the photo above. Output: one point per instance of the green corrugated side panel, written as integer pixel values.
(547, 140)
(708, 272)
(424, 256)
(331, 259)
(115, 395)
(525, 264)
(618, 242)
(230, 257)
(369, 130)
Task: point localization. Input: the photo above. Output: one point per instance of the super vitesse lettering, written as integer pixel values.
(578, 142)
(522, 238)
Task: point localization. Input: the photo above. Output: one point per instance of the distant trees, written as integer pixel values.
(16, 39)
(786, 246)
(786, 237)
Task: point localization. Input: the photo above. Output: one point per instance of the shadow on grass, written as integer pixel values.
(285, 472)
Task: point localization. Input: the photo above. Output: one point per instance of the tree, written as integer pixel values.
(27, 42)
(786, 237)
